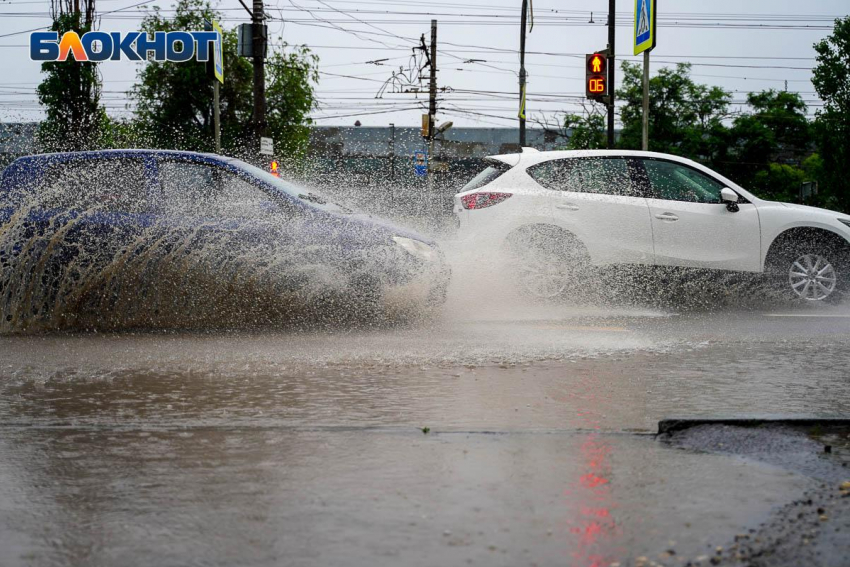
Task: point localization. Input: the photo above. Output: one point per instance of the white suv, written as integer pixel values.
(557, 213)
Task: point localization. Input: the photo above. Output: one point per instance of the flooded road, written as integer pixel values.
(504, 437)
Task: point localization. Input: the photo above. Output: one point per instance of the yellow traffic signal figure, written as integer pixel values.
(596, 83)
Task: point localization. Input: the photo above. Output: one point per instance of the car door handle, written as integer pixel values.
(567, 207)
(667, 217)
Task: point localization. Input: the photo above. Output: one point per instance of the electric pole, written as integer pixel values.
(522, 74)
(258, 36)
(392, 151)
(612, 14)
(432, 106)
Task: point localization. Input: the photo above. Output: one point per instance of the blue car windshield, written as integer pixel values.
(300, 193)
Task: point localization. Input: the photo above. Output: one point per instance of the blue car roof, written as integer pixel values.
(59, 156)
(62, 156)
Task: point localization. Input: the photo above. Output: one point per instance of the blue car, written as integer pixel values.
(170, 238)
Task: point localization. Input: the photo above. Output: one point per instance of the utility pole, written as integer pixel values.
(644, 41)
(212, 74)
(522, 74)
(612, 15)
(216, 117)
(258, 36)
(432, 107)
(392, 151)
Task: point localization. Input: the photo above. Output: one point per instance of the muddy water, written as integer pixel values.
(627, 369)
(271, 497)
(307, 448)
(500, 432)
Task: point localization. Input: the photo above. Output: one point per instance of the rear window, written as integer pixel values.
(605, 175)
(494, 170)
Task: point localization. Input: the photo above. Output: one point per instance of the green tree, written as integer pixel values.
(174, 101)
(775, 132)
(585, 132)
(70, 91)
(685, 118)
(832, 124)
(290, 98)
(778, 181)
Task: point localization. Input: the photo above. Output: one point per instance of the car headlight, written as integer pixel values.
(416, 248)
(844, 221)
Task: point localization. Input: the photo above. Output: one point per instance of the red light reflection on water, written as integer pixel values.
(595, 524)
(593, 528)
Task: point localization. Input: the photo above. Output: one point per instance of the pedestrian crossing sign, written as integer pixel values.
(645, 12)
(218, 55)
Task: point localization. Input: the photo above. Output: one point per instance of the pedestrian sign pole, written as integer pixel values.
(218, 73)
(644, 42)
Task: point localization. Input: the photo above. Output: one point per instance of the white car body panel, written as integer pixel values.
(529, 204)
(705, 235)
(776, 218)
(614, 229)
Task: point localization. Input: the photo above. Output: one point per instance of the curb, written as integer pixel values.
(672, 425)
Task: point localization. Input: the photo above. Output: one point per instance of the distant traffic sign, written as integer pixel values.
(645, 16)
(266, 146)
(420, 164)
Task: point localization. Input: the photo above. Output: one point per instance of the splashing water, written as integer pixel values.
(93, 258)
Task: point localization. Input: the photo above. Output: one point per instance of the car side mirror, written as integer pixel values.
(730, 198)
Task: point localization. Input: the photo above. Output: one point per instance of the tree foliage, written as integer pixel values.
(174, 101)
(685, 118)
(768, 147)
(70, 91)
(587, 132)
(769, 143)
(832, 125)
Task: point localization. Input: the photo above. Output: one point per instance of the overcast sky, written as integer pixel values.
(740, 46)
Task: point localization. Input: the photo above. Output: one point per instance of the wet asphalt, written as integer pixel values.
(493, 434)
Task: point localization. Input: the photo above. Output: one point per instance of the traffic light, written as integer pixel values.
(596, 75)
(273, 168)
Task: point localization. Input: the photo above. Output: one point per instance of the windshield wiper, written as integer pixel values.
(313, 198)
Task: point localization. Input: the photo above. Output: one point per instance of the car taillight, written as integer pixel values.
(482, 200)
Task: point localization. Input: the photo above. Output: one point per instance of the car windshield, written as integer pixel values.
(291, 189)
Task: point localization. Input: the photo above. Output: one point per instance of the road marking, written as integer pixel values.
(832, 315)
(582, 328)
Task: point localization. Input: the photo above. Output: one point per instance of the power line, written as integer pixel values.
(100, 16)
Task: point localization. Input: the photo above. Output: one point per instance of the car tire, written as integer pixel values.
(547, 265)
(812, 270)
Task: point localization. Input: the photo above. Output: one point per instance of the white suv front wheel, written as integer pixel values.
(811, 270)
(812, 277)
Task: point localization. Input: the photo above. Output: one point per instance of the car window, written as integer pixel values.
(493, 171)
(108, 184)
(203, 190)
(291, 190)
(609, 176)
(677, 182)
